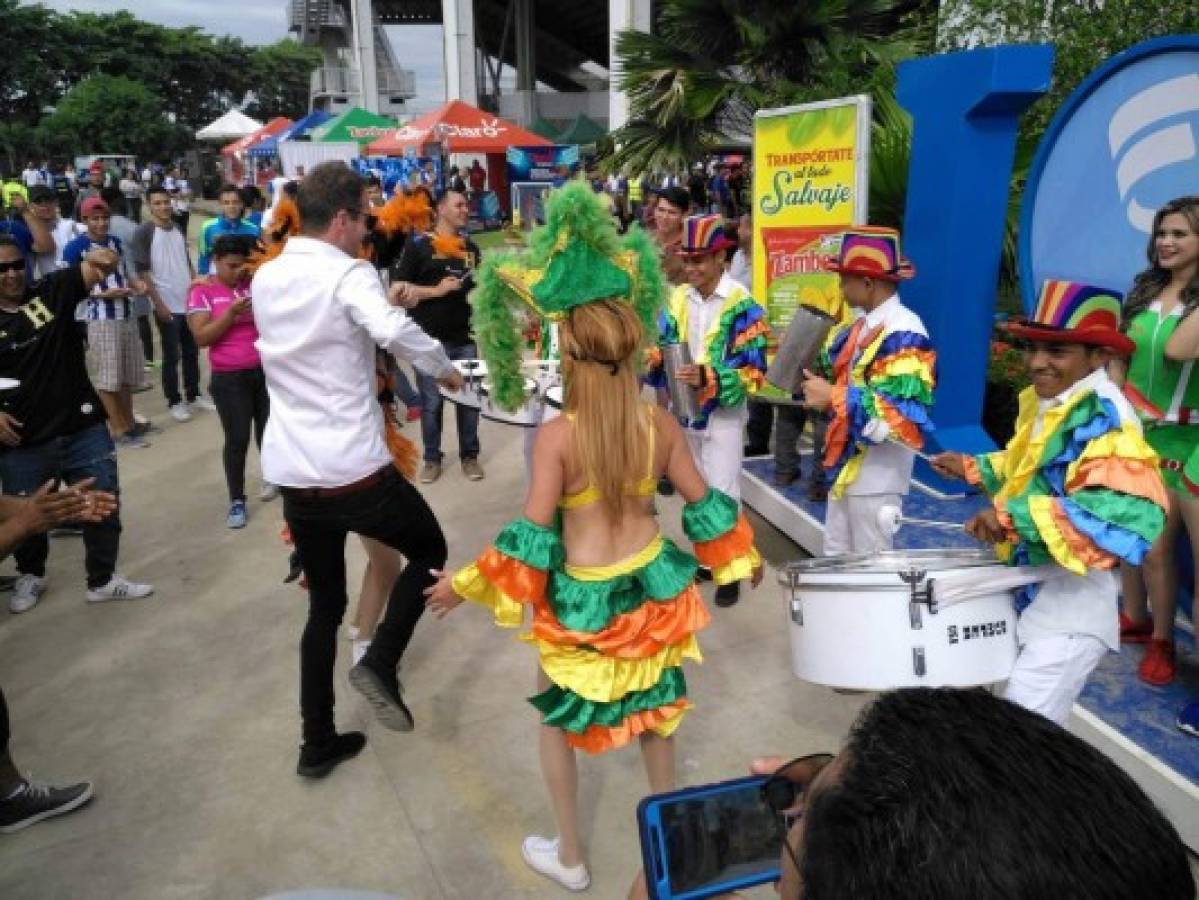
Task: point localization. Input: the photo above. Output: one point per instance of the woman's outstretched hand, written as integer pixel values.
(439, 596)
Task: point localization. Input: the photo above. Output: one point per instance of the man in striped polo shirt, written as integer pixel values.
(114, 349)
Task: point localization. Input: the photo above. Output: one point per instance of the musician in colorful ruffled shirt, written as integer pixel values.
(1077, 488)
(614, 605)
(876, 375)
(725, 331)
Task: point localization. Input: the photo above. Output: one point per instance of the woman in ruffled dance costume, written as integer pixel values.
(615, 605)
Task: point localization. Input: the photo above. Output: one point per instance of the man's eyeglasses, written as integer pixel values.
(782, 791)
(15, 265)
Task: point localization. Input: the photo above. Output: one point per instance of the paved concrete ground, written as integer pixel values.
(183, 709)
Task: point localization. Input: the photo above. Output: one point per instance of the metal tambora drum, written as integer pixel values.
(873, 621)
(527, 415)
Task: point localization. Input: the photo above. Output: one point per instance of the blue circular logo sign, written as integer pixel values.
(1122, 145)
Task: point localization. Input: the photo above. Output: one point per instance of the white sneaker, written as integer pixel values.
(181, 412)
(204, 403)
(26, 593)
(269, 492)
(358, 650)
(119, 588)
(541, 854)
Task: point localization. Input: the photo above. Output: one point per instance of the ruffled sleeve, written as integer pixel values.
(739, 369)
(723, 538)
(1097, 498)
(513, 572)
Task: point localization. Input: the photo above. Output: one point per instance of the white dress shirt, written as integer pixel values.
(887, 468)
(319, 314)
(1078, 604)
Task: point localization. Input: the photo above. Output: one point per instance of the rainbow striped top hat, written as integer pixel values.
(1072, 313)
(702, 235)
(871, 253)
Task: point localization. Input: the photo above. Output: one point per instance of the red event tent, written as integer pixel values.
(234, 165)
(461, 128)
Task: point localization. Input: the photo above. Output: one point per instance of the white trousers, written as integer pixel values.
(718, 451)
(851, 524)
(1051, 672)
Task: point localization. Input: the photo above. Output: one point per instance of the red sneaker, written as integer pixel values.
(413, 414)
(1158, 667)
(1135, 632)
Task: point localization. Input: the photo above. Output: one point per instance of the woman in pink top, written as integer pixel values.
(220, 317)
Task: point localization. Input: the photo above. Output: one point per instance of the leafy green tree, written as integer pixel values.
(110, 114)
(1084, 33)
(34, 54)
(279, 75)
(710, 64)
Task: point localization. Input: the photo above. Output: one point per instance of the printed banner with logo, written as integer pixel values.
(810, 181)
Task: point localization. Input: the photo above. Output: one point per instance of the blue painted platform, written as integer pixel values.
(1126, 718)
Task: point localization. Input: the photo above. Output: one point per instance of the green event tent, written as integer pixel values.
(355, 125)
(547, 130)
(582, 131)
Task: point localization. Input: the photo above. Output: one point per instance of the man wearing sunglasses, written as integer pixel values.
(952, 793)
(320, 311)
(52, 422)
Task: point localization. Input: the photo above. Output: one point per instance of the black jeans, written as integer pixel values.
(178, 343)
(85, 454)
(759, 425)
(392, 512)
(147, 336)
(241, 402)
(4, 726)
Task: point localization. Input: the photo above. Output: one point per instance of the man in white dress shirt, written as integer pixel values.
(320, 311)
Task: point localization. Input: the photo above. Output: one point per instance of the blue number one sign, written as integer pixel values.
(966, 109)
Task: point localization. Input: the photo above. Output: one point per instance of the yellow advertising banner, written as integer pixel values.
(810, 181)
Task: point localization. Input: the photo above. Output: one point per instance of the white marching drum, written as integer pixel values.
(553, 396)
(473, 371)
(527, 415)
(873, 621)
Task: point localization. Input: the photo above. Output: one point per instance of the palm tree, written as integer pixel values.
(712, 63)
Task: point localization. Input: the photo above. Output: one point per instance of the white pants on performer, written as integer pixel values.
(1051, 672)
(851, 524)
(718, 450)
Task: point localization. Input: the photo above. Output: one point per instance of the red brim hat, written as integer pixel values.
(1113, 340)
(905, 271)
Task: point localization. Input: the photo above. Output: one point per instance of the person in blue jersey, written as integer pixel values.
(231, 221)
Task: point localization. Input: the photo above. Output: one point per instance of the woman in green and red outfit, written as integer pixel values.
(1162, 383)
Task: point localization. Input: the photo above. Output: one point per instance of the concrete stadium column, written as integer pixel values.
(458, 26)
(362, 20)
(526, 62)
(622, 16)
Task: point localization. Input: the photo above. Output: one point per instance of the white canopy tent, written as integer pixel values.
(229, 127)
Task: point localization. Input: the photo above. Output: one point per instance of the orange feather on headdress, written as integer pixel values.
(284, 224)
(405, 212)
(449, 245)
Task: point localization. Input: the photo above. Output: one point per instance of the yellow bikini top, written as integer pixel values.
(644, 487)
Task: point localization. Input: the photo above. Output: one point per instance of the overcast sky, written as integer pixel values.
(417, 47)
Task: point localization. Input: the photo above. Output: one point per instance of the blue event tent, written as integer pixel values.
(270, 146)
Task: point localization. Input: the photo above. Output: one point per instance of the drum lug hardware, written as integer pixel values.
(796, 611)
(920, 595)
(918, 661)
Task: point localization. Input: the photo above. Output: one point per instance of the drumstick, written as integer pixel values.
(924, 456)
(891, 519)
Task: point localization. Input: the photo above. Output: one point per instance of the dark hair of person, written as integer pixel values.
(729, 230)
(373, 181)
(676, 197)
(157, 189)
(233, 244)
(442, 195)
(959, 794)
(227, 188)
(113, 197)
(1149, 284)
(249, 194)
(7, 240)
(325, 191)
(292, 189)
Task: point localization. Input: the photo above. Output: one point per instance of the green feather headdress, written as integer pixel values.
(576, 257)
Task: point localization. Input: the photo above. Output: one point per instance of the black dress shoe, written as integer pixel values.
(703, 573)
(751, 450)
(728, 594)
(383, 694)
(318, 760)
(817, 493)
(665, 488)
